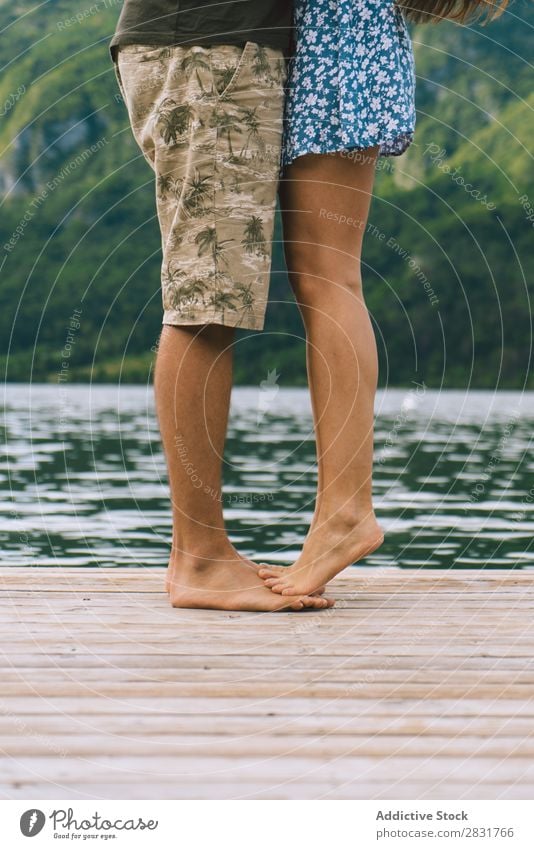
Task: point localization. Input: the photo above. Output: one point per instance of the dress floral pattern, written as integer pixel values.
(351, 79)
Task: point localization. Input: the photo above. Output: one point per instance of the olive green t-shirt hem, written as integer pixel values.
(278, 41)
(188, 23)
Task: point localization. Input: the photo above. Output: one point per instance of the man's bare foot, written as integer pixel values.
(233, 555)
(327, 551)
(231, 585)
(254, 567)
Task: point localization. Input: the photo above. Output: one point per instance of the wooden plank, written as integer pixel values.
(358, 705)
(459, 649)
(323, 621)
(440, 663)
(409, 624)
(133, 726)
(345, 674)
(266, 690)
(198, 768)
(287, 790)
(452, 630)
(175, 745)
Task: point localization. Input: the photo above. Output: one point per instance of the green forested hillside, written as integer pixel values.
(448, 268)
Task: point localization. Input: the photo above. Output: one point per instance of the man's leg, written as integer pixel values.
(326, 202)
(193, 385)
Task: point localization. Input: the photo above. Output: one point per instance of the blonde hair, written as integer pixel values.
(462, 11)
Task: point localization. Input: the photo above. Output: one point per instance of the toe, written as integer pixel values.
(314, 602)
(277, 588)
(320, 603)
(266, 571)
(270, 582)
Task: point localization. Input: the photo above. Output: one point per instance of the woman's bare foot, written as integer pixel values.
(328, 549)
(218, 584)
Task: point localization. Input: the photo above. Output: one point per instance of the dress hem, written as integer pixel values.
(407, 136)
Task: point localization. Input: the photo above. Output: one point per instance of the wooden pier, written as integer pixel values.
(418, 684)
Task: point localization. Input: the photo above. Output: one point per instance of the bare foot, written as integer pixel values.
(255, 567)
(327, 551)
(235, 555)
(231, 585)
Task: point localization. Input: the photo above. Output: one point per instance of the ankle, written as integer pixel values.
(200, 558)
(346, 518)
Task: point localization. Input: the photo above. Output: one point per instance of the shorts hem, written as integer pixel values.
(249, 322)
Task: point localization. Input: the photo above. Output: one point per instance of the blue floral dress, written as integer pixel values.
(351, 79)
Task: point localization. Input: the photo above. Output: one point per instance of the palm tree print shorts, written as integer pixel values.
(209, 122)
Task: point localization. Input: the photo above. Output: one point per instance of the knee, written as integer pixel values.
(315, 269)
(312, 288)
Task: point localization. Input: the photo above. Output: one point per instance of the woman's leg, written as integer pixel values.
(325, 201)
(193, 385)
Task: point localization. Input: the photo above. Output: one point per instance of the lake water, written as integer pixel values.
(83, 477)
